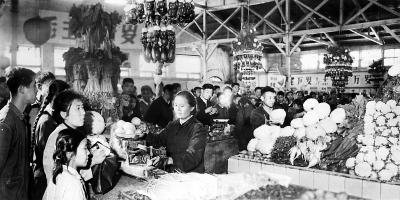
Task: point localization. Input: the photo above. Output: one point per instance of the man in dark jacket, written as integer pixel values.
(260, 115)
(204, 106)
(14, 136)
(160, 110)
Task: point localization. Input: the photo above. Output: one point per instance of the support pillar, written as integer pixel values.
(288, 41)
(204, 45)
(47, 54)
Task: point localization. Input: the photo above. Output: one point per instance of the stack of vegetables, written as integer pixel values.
(135, 129)
(306, 137)
(379, 155)
(314, 131)
(266, 135)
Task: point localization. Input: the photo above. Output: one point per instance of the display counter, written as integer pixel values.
(125, 183)
(218, 151)
(319, 179)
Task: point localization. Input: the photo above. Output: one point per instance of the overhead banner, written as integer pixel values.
(318, 82)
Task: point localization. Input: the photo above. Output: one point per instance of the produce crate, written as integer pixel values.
(320, 179)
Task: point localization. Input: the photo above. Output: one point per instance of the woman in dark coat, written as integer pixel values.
(184, 138)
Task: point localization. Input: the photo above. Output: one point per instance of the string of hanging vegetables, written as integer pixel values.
(158, 16)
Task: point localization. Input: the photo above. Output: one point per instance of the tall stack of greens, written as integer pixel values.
(93, 68)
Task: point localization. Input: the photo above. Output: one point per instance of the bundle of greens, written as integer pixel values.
(335, 156)
(280, 152)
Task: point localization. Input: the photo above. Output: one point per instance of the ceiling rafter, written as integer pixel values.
(308, 15)
(358, 13)
(268, 14)
(367, 37)
(316, 13)
(277, 46)
(366, 19)
(189, 33)
(270, 24)
(233, 5)
(184, 29)
(311, 31)
(318, 40)
(281, 12)
(319, 26)
(221, 22)
(297, 44)
(391, 32)
(385, 7)
(224, 22)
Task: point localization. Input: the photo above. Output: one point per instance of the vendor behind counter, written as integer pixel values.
(184, 138)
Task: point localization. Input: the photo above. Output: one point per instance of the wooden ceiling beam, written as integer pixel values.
(391, 32)
(277, 46)
(385, 7)
(349, 26)
(189, 33)
(316, 13)
(367, 37)
(314, 31)
(318, 41)
(270, 24)
(183, 29)
(297, 44)
(236, 4)
(308, 15)
(366, 19)
(358, 13)
(281, 12)
(319, 26)
(268, 14)
(222, 23)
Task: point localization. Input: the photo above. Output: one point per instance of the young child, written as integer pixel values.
(70, 155)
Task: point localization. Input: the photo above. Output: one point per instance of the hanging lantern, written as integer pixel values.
(37, 30)
(4, 62)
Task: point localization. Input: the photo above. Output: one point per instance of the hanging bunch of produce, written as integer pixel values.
(338, 66)
(247, 55)
(94, 67)
(377, 71)
(159, 44)
(158, 16)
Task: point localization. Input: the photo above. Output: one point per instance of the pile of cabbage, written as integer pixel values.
(379, 156)
(129, 129)
(312, 131)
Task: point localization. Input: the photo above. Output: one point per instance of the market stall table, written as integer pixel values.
(125, 183)
(218, 151)
(320, 179)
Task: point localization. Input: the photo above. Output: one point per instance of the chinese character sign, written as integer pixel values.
(59, 22)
